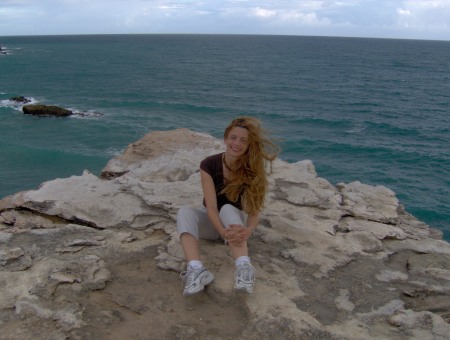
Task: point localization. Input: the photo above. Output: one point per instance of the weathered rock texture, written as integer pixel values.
(98, 258)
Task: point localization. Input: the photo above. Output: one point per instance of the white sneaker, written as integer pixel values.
(244, 278)
(195, 280)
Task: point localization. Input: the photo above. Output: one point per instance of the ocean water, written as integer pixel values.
(373, 110)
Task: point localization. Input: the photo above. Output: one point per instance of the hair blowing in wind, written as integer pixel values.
(249, 180)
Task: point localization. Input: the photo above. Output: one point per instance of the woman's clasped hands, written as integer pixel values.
(236, 234)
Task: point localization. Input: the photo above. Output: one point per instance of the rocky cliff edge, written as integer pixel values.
(90, 257)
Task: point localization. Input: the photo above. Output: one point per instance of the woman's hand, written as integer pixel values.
(237, 234)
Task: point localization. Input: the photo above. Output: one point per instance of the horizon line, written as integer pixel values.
(222, 34)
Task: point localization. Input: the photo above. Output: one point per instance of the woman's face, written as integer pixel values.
(237, 141)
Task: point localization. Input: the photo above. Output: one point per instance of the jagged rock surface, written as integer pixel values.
(98, 257)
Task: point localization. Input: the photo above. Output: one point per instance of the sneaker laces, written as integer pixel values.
(246, 272)
(189, 276)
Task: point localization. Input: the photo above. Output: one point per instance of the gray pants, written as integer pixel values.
(195, 221)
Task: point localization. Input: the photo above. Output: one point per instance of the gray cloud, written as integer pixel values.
(386, 18)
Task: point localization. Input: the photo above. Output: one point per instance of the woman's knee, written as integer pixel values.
(183, 211)
(185, 217)
(229, 214)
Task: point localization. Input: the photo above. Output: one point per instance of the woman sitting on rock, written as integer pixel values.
(234, 186)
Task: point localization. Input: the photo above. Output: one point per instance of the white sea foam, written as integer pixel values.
(114, 151)
(16, 105)
(83, 114)
(356, 128)
(4, 50)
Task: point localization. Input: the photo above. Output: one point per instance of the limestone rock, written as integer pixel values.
(380, 230)
(371, 203)
(421, 325)
(14, 259)
(90, 257)
(162, 157)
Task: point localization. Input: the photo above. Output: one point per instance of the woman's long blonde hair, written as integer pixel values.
(249, 177)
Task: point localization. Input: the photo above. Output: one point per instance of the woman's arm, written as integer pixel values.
(209, 192)
(237, 234)
(252, 222)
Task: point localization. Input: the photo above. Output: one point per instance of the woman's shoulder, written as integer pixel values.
(211, 160)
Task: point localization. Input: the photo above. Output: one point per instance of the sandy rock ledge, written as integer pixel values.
(90, 257)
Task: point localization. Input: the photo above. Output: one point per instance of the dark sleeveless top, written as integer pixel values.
(212, 165)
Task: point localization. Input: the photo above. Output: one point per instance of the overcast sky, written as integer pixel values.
(414, 19)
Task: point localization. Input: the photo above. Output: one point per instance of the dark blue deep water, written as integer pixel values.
(373, 110)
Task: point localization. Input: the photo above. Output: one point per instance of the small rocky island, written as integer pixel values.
(90, 257)
(20, 100)
(46, 110)
(41, 110)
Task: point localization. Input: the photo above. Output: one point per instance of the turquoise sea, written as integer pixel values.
(373, 110)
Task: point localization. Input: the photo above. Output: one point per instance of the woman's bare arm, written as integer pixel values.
(209, 192)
